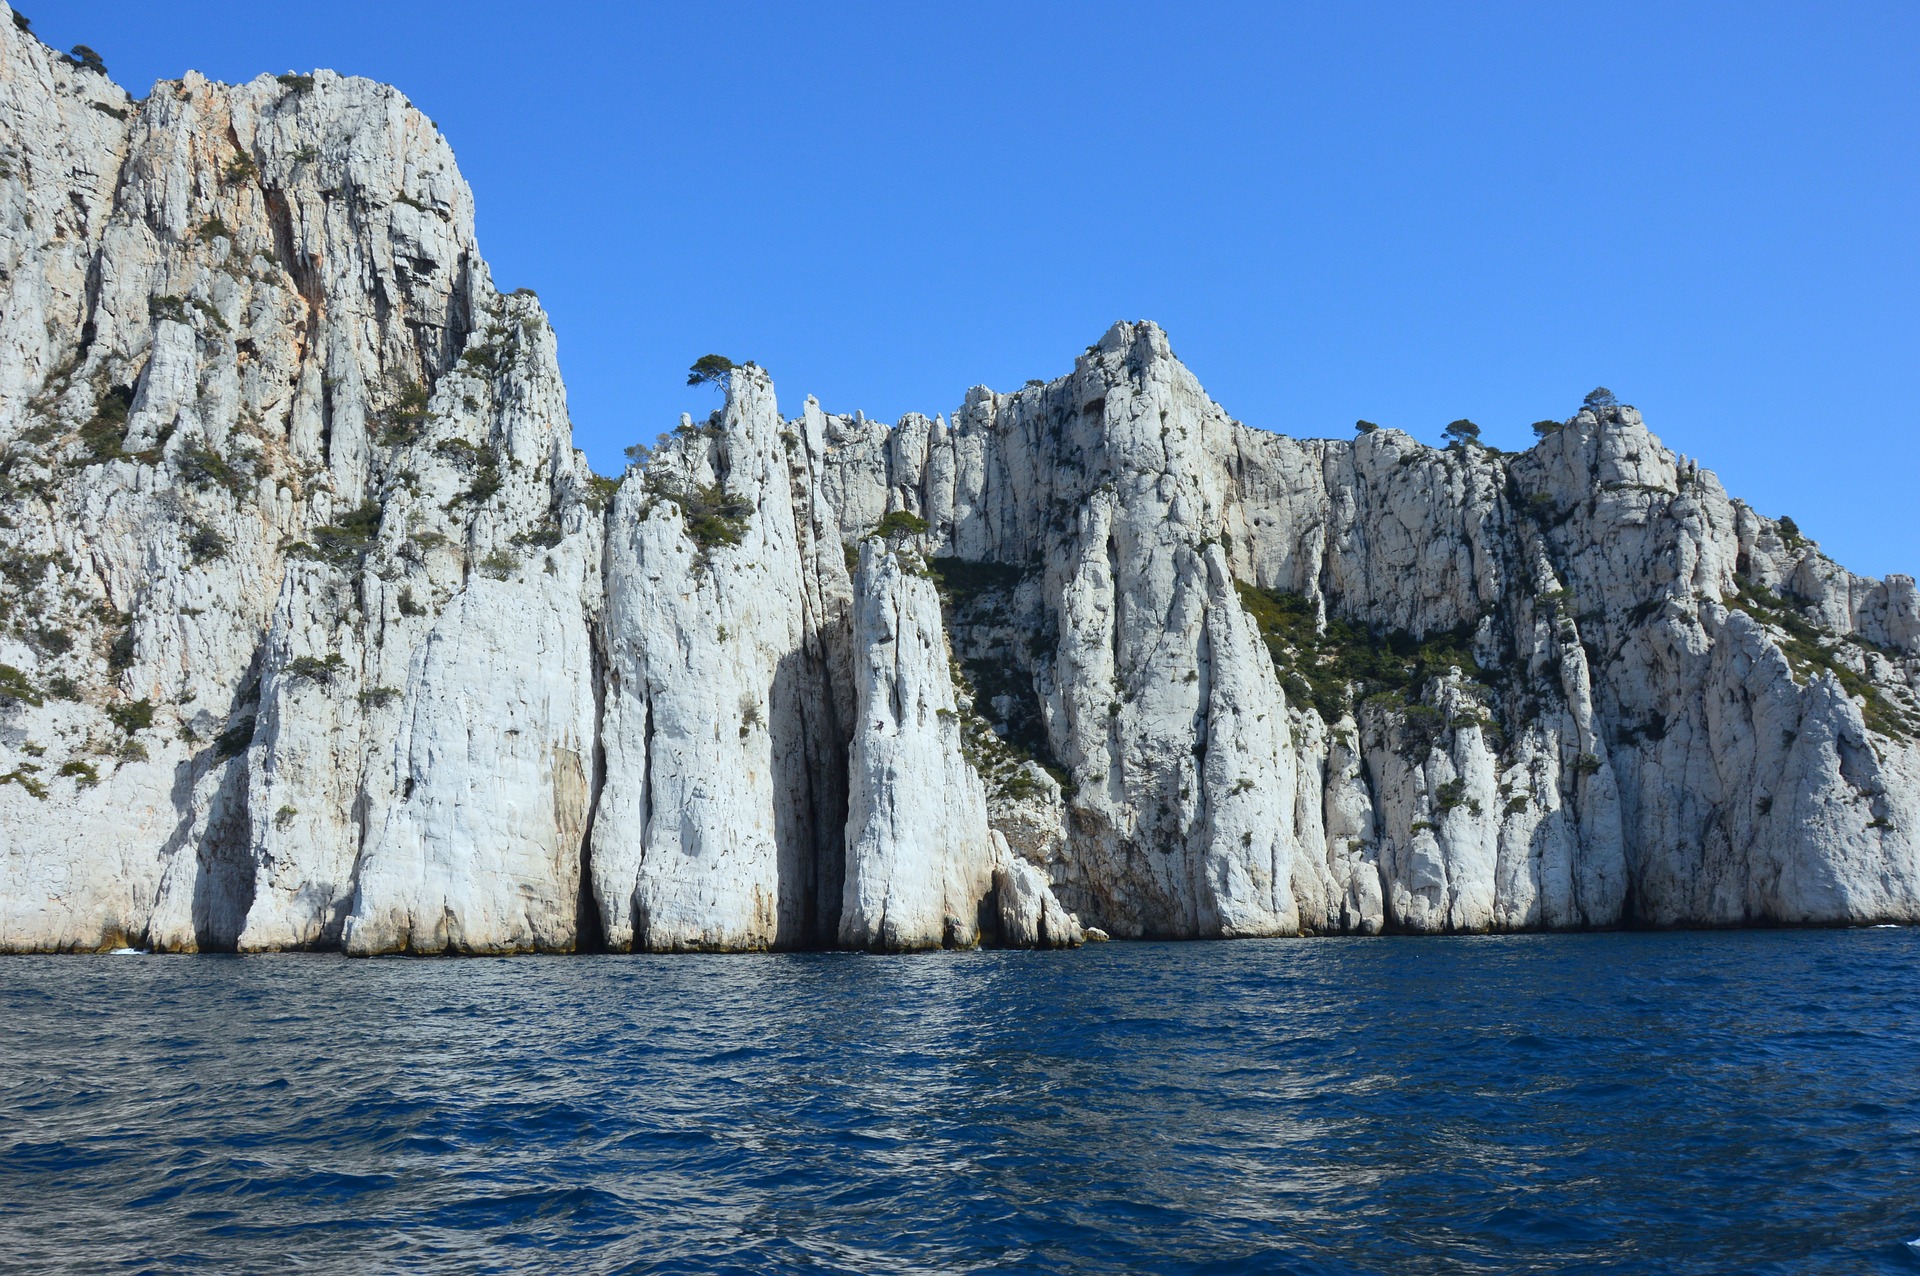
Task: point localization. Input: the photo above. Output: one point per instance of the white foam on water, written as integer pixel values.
(128, 952)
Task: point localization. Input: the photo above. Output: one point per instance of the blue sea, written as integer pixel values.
(1676, 1102)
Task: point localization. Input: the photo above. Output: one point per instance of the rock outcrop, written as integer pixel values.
(286, 486)
(920, 854)
(316, 632)
(720, 823)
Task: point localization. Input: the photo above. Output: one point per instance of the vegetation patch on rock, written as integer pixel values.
(1331, 670)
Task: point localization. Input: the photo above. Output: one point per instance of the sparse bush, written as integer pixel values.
(378, 697)
(1327, 669)
(239, 170)
(542, 535)
(343, 542)
(298, 83)
(26, 571)
(52, 640)
(136, 716)
(81, 773)
(1364, 427)
(211, 312)
(87, 60)
(712, 428)
(1559, 600)
(1599, 399)
(1462, 431)
(201, 466)
(483, 359)
(285, 816)
(713, 516)
(204, 543)
(1420, 728)
(410, 606)
(169, 308)
(211, 229)
(1453, 794)
(14, 686)
(459, 451)
(600, 490)
(639, 454)
(23, 775)
(486, 482)
(316, 669)
(1019, 786)
(1586, 764)
(900, 523)
(104, 434)
(500, 564)
(1541, 429)
(401, 422)
(1810, 649)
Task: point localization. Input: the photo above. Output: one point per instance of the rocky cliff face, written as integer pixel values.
(291, 519)
(318, 633)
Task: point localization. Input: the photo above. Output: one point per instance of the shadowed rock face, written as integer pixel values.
(317, 632)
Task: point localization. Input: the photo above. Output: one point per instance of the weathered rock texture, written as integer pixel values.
(919, 850)
(300, 567)
(317, 632)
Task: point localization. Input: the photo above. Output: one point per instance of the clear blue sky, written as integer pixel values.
(1404, 212)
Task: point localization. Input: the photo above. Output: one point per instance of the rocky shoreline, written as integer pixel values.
(320, 634)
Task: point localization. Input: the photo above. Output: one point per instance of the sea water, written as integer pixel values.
(1683, 1102)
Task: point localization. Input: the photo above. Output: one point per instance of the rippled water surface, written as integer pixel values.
(1646, 1102)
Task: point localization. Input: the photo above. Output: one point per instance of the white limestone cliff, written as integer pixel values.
(710, 827)
(920, 855)
(1518, 793)
(315, 631)
(479, 849)
(266, 424)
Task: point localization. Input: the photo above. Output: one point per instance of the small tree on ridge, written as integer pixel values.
(711, 369)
